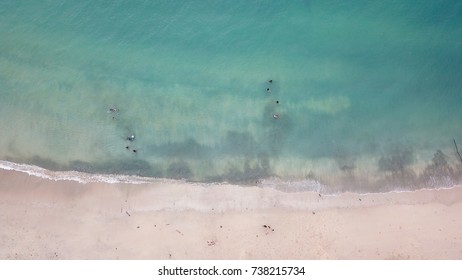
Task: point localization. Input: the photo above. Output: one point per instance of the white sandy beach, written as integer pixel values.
(45, 219)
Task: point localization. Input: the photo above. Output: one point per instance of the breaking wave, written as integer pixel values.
(76, 176)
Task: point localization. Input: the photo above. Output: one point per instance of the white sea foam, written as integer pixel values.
(306, 185)
(76, 176)
(86, 178)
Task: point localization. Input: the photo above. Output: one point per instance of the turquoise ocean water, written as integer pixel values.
(365, 95)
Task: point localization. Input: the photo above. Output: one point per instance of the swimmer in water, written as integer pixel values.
(270, 81)
(276, 116)
(268, 90)
(131, 137)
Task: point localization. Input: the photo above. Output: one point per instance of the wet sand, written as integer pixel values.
(45, 219)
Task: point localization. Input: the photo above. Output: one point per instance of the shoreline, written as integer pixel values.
(44, 219)
(306, 185)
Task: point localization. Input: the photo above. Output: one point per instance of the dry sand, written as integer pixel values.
(43, 219)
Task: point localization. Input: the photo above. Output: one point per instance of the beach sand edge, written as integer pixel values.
(44, 219)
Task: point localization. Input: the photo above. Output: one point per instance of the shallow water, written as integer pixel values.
(365, 93)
